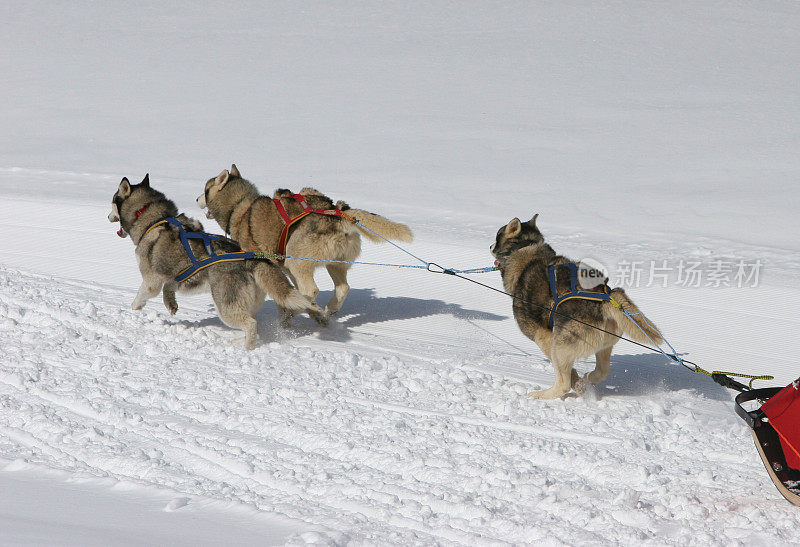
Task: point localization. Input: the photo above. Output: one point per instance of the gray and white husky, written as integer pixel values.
(237, 287)
(253, 220)
(523, 258)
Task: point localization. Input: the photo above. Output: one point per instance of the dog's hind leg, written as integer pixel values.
(303, 275)
(602, 361)
(338, 273)
(285, 314)
(602, 367)
(244, 322)
(235, 302)
(237, 317)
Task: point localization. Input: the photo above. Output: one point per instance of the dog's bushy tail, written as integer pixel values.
(626, 324)
(379, 225)
(274, 282)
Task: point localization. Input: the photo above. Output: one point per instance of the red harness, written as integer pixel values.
(288, 222)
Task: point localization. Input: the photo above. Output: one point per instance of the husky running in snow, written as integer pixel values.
(255, 222)
(238, 287)
(523, 257)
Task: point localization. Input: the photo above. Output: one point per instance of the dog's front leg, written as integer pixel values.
(168, 292)
(150, 287)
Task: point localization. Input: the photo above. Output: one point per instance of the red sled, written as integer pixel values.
(776, 431)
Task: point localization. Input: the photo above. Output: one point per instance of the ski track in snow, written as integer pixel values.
(385, 448)
(644, 132)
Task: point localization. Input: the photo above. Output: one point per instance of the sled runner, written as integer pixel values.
(776, 430)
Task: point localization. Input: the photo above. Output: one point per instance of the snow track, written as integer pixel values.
(647, 133)
(383, 448)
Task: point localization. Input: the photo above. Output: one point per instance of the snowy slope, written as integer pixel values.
(642, 133)
(43, 506)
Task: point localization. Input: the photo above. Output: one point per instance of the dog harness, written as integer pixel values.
(288, 221)
(213, 257)
(574, 293)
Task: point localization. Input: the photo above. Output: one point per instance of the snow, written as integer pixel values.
(43, 506)
(639, 132)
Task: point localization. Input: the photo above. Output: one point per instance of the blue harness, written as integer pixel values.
(213, 257)
(604, 296)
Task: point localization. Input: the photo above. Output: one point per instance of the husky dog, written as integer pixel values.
(523, 258)
(237, 287)
(254, 221)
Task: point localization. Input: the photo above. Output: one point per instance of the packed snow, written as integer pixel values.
(658, 139)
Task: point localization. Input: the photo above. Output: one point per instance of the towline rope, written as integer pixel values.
(424, 266)
(720, 377)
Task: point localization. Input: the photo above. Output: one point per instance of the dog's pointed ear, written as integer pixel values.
(124, 189)
(513, 228)
(235, 171)
(532, 221)
(146, 180)
(222, 178)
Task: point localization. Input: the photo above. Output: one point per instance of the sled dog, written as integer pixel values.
(237, 287)
(523, 258)
(255, 222)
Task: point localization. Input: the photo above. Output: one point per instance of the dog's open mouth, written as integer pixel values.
(121, 232)
(208, 213)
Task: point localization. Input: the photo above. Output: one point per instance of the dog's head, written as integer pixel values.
(122, 195)
(516, 235)
(132, 201)
(214, 187)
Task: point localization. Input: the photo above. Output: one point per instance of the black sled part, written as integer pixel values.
(785, 478)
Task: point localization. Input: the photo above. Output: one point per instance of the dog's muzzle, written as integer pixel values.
(113, 216)
(201, 202)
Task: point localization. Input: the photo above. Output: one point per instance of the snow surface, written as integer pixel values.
(639, 132)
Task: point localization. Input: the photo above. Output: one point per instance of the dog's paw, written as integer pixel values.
(546, 394)
(137, 305)
(318, 314)
(173, 309)
(320, 317)
(539, 395)
(249, 343)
